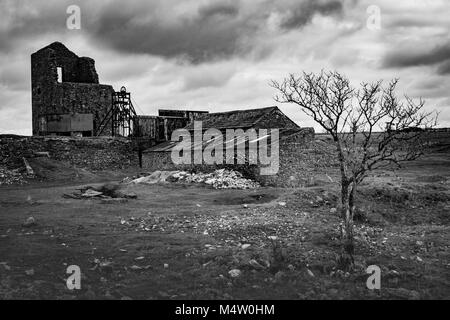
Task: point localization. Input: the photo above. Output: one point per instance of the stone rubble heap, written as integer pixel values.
(14, 176)
(219, 179)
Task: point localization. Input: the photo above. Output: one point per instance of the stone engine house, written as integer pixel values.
(67, 98)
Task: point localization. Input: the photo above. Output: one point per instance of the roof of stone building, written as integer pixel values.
(239, 119)
(283, 134)
(267, 118)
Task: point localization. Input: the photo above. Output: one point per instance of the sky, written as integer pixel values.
(221, 55)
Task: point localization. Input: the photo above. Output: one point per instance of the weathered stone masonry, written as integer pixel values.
(78, 92)
(88, 153)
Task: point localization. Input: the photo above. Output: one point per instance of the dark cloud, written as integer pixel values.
(212, 33)
(218, 9)
(444, 68)
(24, 20)
(305, 11)
(406, 22)
(439, 56)
(215, 30)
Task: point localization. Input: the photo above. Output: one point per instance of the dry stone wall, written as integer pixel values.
(89, 153)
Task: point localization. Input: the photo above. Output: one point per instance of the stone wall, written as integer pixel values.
(95, 99)
(301, 163)
(88, 153)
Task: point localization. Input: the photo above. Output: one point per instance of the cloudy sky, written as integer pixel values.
(220, 55)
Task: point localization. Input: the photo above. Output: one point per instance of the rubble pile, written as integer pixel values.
(8, 177)
(219, 179)
(155, 177)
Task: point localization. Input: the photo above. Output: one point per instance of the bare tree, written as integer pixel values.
(370, 126)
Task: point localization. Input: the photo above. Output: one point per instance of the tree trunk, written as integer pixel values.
(347, 201)
(351, 201)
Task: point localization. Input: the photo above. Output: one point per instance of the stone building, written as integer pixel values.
(293, 141)
(67, 98)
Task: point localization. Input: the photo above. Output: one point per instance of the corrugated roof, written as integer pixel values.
(168, 145)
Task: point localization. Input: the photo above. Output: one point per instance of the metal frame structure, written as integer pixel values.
(122, 116)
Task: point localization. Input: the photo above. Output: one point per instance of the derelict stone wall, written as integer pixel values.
(301, 163)
(82, 98)
(87, 153)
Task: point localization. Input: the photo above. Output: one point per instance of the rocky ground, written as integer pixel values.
(11, 176)
(191, 241)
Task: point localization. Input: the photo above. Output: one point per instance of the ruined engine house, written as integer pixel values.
(68, 100)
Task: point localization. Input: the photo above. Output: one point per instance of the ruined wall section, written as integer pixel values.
(83, 98)
(87, 153)
(85, 71)
(79, 91)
